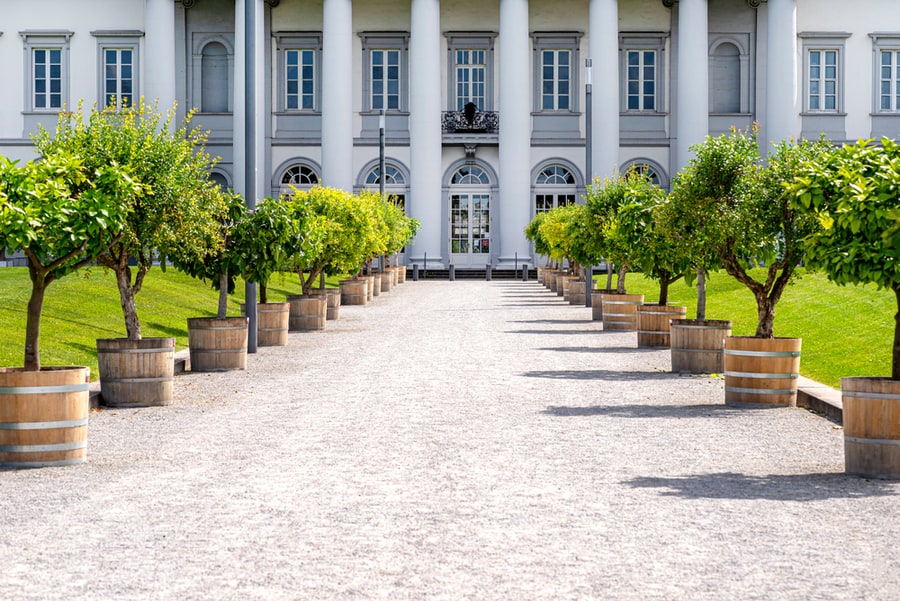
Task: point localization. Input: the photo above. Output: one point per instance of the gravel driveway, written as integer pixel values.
(452, 440)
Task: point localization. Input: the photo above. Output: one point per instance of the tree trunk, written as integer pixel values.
(701, 294)
(663, 291)
(33, 321)
(765, 315)
(126, 296)
(223, 296)
(895, 356)
(609, 273)
(620, 279)
(322, 281)
(262, 292)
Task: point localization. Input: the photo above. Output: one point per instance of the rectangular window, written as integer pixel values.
(118, 77)
(385, 79)
(555, 80)
(47, 78)
(300, 77)
(470, 78)
(890, 80)
(640, 80)
(823, 80)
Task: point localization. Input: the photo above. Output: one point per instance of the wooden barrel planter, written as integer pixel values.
(761, 371)
(698, 346)
(401, 274)
(354, 292)
(43, 416)
(576, 292)
(540, 273)
(387, 281)
(653, 324)
(553, 276)
(563, 283)
(376, 284)
(307, 313)
(871, 427)
(332, 298)
(596, 305)
(271, 323)
(620, 310)
(217, 344)
(136, 373)
(370, 286)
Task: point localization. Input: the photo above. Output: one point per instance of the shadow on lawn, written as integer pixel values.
(774, 487)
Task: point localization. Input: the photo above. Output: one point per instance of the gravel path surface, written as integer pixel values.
(452, 440)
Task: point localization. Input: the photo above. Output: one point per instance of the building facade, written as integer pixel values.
(489, 110)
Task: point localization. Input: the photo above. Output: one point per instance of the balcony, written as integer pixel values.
(470, 121)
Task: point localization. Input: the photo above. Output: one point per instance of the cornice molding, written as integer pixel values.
(750, 3)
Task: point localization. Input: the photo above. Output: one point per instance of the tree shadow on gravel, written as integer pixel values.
(555, 332)
(774, 487)
(601, 374)
(645, 411)
(606, 349)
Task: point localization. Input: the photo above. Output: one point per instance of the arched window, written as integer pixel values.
(725, 79)
(470, 175)
(649, 170)
(214, 78)
(300, 176)
(219, 179)
(553, 187)
(392, 176)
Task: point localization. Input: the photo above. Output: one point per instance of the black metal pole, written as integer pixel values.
(250, 149)
(588, 143)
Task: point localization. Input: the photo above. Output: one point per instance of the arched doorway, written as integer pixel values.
(470, 217)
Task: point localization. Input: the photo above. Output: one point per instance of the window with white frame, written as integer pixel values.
(470, 70)
(385, 85)
(47, 66)
(556, 59)
(823, 66)
(650, 170)
(886, 72)
(299, 64)
(642, 71)
(300, 176)
(554, 187)
(118, 64)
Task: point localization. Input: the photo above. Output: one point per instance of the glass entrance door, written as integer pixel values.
(470, 237)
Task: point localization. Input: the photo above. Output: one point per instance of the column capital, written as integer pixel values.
(750, 3)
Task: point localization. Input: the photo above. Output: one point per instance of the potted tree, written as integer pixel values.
(604, 199)
(755, 224)
(634, 229)
(171, 219)
(555, 231)
(61, 214)
(219, 343)
(852, 192)
(685, 219)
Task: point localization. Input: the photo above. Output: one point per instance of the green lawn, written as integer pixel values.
(846, 331)
(85, 306)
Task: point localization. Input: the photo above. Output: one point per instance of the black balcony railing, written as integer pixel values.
(470, 121)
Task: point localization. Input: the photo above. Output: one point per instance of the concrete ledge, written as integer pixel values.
(820, 398)
(182, 364)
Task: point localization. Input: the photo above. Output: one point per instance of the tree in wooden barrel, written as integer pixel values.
(171, 219)
(604, 200)
(634, 229)
(61, 214)
(853, 192)
(757, 225)
(401, 228)
(556, 230)
(541, 247)
(688, 219)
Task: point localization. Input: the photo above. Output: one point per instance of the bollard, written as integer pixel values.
(487, 272)
(525, 272)
(415, 272)
(452, 272)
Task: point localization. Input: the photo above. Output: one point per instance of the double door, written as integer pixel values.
(470, 229)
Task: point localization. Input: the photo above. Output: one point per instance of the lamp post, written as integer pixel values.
(381, 164)
(588, 142)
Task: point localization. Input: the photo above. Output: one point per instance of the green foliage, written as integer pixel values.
(730, 207)
(604, 199)
(853, 193)
(264, 242)
(61, 214)
(174, 216)
(533, 234)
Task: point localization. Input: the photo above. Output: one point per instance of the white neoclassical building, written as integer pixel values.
(490, 112)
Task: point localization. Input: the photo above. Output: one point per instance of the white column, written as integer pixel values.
(254, 189)
(159, 45)
(514, 211)
(337, 94)
(692, 106)
(425, 131)
(603, 47)
(782, 89)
